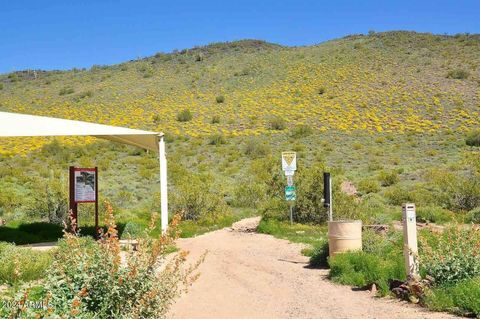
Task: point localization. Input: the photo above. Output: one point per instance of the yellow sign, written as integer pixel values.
(289, 161)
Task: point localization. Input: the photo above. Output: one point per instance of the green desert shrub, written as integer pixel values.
(398, 195)
(83, 95)
(22, 264)
(255, 148)
(382, 244)
(452, 256)
(360, 269)
(50, 201)
(462, 298)
(132, 230)
(87, 279)
(388, 178)
(275, 208)
(248, 194)
(13, 77)
(301, 130)
(458, 74)
(372, 209)
(473, 139)
(217, 139)
(194, 198)
(380, 261)
(220, 99)
(455, 191)
(277, 123)
(215, 119)
(433, 214)
(66, 90)
(266, 173)
(309, 206)
(473, 216)
(184, 116)
(319, 255)
(367, 186)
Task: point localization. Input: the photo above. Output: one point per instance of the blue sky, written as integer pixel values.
(44, 34)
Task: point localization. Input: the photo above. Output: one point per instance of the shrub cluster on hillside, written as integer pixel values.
(89, 279)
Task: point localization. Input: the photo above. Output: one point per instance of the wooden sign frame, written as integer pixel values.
(73, 202)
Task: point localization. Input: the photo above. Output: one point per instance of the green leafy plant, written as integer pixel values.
(319, 255)
(88, 279)
(434, 214)
(248, 194)
(195, 199)
(301, 130)
(220, 99)
(367, 186)
(473, 138)
(360, 269)
(462, 298)
(388, 178)
(277, 123)
(256, 149)
(473, 216)
(458, 74)
(184, 116)
(22, 264)
(66, 91)
(215, 119)
(451, 256)
(217, 139)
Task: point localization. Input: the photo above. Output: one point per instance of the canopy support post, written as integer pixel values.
(163, 184)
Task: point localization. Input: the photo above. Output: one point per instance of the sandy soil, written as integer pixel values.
(249, 275)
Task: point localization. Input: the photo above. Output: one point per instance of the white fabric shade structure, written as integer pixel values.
(23, 125)
(13, 124)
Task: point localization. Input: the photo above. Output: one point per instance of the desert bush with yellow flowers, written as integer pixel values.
(98, 279)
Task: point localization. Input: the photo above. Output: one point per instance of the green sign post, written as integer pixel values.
(289, 166)
(290, 194)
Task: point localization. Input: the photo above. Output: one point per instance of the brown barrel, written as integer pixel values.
(344, 236)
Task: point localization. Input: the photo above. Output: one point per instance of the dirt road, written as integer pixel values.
(249, 275)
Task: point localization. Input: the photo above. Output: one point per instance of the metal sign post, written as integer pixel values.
(73, 207)
(83, 189)
(327, 194)
(289, 166)
(291, 213)
(290, 196)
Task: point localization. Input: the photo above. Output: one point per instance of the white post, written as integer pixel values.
(410, 247)
(163, 184)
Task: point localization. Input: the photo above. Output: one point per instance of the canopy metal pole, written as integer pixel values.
(163, 184)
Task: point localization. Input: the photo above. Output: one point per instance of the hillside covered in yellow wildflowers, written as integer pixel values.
(392, 82)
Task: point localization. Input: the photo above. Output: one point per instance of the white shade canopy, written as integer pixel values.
(16, 125)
